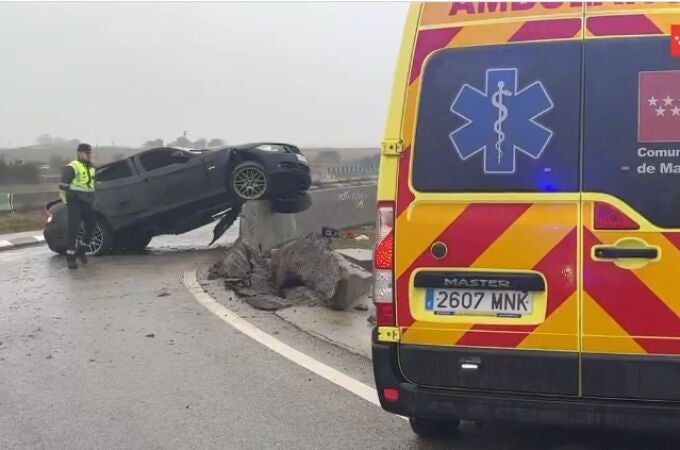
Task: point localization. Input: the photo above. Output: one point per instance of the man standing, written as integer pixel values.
(77, 192)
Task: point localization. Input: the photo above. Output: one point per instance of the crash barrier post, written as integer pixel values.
(337, 207)
(5, 202)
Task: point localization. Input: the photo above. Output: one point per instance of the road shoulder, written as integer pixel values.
(19, 240)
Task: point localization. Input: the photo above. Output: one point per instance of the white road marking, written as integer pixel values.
(356, 387)
(21, 253)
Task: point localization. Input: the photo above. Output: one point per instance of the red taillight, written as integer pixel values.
(384, 314)
(608, 217)
(384, 253)
(383, 263)
(391, 394)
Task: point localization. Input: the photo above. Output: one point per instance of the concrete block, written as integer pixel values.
(337, 207)
(309, 261)
(359, 256)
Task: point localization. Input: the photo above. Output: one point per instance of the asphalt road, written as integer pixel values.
(118, 354)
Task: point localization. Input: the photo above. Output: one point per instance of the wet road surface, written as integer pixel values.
(119, 355)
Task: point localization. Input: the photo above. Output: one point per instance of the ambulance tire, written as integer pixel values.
(427, 427)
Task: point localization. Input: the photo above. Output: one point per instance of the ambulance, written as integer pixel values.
(528, 260)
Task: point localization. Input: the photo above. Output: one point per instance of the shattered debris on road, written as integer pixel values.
(303, 272)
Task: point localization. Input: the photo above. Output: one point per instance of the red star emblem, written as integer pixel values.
(675, 40)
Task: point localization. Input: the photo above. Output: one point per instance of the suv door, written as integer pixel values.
(175, 178)
(118, 188)
(631, 209)
(488, 208)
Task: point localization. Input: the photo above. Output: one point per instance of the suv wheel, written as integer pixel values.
(431, 428)
(102, 238)
(249, 181)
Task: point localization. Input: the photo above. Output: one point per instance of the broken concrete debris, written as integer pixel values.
(310, 262)
(305, 271)
(246, 272)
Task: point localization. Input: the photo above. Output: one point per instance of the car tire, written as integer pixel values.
(292, 205)
(132, 240)
(55, 230)
(427, 427)
(249, 181)
(102, 238)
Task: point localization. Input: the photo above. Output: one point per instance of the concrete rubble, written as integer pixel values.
(310, 262)
(303, 272)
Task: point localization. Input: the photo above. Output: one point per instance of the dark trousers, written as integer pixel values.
(79, 211)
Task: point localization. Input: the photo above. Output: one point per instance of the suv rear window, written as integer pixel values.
(500, 119)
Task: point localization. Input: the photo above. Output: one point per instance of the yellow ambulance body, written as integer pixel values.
(528, 266)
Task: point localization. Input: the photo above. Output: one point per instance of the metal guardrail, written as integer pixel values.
(6, 203)
(343, 172)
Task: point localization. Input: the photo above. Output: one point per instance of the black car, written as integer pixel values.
(171, 191)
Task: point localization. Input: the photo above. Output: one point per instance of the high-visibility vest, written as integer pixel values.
(84, 177)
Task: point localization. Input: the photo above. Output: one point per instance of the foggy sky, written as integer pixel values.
(307, 73)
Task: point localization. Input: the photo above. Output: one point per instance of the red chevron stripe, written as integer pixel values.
(660, 346)
(622, 25)
(674, 238)
(547, 29)
(427, 42)
(467, 237)
(559, 269)
(628, 300)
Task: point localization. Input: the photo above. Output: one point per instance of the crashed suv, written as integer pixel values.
(171, 191)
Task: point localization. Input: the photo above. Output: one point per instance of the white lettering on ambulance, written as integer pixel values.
(670, 168)
(644, 152)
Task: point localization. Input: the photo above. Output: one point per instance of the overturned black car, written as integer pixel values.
(172, 191)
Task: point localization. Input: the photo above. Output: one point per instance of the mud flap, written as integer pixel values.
(226, 222)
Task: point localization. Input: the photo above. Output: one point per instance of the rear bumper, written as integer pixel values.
(420, 401)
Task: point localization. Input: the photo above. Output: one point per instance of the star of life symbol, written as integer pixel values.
(501, 121)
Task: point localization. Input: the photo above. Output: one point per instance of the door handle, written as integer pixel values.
(623, 252)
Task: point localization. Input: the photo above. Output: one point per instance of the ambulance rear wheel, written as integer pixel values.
(427, 427)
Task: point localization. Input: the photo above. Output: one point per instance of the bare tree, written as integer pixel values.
(44, 139)
(216, 142)
(181, 142)
(153, 144)
(56, 162)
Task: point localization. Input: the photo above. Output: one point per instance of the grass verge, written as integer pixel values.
(16, 222)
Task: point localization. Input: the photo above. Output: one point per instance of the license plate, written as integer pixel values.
(479, 302)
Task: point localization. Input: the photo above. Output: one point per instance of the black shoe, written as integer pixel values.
(71, 261)
(81, 254)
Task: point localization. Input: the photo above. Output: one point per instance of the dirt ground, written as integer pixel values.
(15, 222)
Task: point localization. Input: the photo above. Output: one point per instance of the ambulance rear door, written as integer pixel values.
(488, 204)
(631, 209)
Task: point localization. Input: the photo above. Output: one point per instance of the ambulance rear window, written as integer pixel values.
(499, 119)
